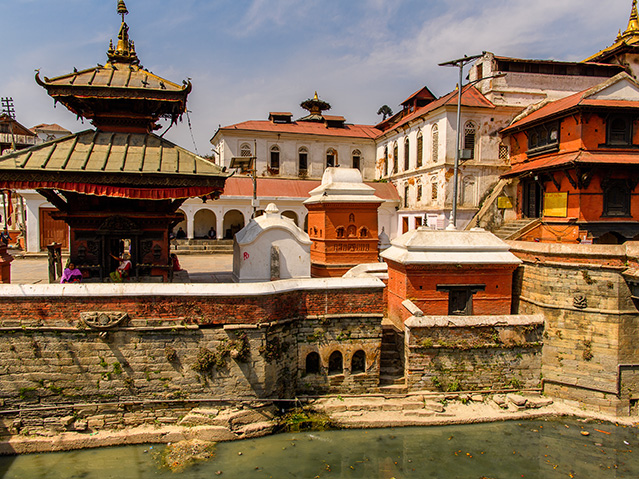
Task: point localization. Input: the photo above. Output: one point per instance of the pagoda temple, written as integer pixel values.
(119, 185)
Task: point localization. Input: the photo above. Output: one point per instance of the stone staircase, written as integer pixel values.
(511, 229)
(391, 368)
(201, 246)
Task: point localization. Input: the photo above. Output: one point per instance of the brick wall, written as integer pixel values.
(419, 284)
(590, 354)
(445, 353)
(50, 356)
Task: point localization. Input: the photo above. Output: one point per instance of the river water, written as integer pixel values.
(541, 449)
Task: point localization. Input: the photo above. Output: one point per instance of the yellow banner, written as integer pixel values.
(556, 204)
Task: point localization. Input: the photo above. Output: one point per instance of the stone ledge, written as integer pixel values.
(93, 290)
(474, 321)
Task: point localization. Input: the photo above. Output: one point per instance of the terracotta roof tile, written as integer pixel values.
(471, 97)
(291, 188)
(305, 127)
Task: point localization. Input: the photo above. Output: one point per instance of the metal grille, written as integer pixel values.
(435, 153)
(503, 152)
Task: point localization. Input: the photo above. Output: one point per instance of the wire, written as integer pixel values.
(188, 119)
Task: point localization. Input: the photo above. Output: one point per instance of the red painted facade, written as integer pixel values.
(593, 164)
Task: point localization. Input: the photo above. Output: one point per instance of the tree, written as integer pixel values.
(385, 110)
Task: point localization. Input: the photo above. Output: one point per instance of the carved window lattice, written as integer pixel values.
(395, 157)
(434, 185)
(470, 131)
(435, 145)
(406, 154)
(420, 149)
(504, 154)
(245, 150)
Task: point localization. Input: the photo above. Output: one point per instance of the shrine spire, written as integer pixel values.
(632, 31)
(124, 52)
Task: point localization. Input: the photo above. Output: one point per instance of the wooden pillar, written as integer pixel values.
(5, 264)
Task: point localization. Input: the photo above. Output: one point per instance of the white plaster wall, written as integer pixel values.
(33, 202)
(252, 262)
(228, 145)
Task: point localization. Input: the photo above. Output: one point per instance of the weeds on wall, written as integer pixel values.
(238, 349)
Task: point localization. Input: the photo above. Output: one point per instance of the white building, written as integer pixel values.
(416, 150)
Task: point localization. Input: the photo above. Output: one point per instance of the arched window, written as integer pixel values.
(331, 158)
(434, 185)
(274, 161)
(351, 231)
(335, 363)
(395, 157)
(358, 362)
(312, 363)
(470, 132)
(302, 162)
(406, 193)
(435, 146)
(245, 150)
(386, 160)
(419, 192)
(351, 218)
(420, 149)
(363, 232)
(406, 155)
(357, 155)
(339, 232)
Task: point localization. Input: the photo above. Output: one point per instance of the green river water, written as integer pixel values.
(542, 449)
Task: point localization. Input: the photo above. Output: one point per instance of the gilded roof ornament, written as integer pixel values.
(631, 35)
(124, 52)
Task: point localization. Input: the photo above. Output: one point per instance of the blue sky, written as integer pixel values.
(249, 57)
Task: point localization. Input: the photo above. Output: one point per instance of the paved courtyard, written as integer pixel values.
(206, 268)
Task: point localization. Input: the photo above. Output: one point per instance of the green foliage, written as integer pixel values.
(454, 386)
(304, 420)
(117, 368)
(515, 383)
(437, 383)
(426, 343)
(170, 354)
(25, 393)
(238, 349)
(103, 362)
(273, 349)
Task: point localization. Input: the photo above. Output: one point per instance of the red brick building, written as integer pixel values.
(342, 223)
(577, 162)
(445, 272)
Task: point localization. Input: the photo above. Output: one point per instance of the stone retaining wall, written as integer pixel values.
(446, 353)
(590, 352)
(97, 343)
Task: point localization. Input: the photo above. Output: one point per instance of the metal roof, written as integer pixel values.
(109, 157)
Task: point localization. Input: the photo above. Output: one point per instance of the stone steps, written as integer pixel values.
(510, 228)
(202, 246)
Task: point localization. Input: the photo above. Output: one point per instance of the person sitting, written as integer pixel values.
(212, 234)
(181, 234)
(175, 262)
(123, 270)
(71, 274)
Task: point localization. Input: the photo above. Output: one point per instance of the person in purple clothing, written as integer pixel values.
(71, 274)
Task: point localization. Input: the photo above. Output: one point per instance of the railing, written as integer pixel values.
(19, 139)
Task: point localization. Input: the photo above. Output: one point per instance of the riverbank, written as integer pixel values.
(229, 423)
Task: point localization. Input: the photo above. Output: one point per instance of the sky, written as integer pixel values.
(246, 58)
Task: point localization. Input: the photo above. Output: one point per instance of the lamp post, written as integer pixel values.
(460, 63)
(248, 164)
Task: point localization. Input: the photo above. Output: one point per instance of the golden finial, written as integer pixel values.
(633, 23)
(315, 97)
(122, 9)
